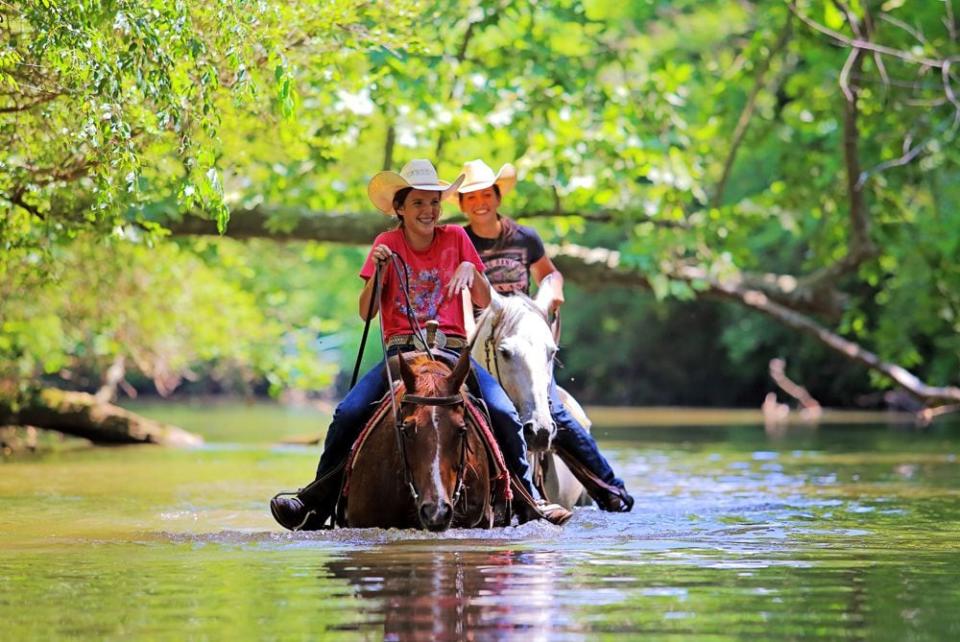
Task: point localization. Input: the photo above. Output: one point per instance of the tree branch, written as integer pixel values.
(778, 372)
(388, 144)
(909, 153)
(589, 267)
(17, 199)
(27, 106)
(858, 43)
(849, 349)
(82, 415)
(950, 21)
(460, 57)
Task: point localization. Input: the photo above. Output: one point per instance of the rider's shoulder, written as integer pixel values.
(390, 238)
(452, 230)
(528, 232)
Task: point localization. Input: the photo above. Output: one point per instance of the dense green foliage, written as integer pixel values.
(697, 134)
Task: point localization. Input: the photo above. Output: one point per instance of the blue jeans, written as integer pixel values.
(573, 437)
(356, 409)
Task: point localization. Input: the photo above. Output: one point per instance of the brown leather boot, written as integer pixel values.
(618, 501)
(609, 497)
(294, 515)
(311, 507)
(526, 508)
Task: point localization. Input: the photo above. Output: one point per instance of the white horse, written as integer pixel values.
(514, 342)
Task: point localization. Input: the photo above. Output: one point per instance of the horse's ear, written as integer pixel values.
(496, 303)
(460, 371)
(406, 374)
(544, 300)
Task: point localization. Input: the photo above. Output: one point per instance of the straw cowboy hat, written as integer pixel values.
(418, 174)
(478, 175)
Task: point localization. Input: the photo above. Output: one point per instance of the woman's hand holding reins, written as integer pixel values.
(381, 254)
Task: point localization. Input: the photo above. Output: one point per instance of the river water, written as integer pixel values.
(839, 532)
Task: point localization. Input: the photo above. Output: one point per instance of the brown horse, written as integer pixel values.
(431, 469)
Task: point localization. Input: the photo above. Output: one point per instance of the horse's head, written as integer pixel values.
(433, 435)
(516, 345)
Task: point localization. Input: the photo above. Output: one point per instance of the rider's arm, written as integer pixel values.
(480, 290)
(547, 275)
(365, 295)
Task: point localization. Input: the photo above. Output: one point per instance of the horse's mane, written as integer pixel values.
(515, 307)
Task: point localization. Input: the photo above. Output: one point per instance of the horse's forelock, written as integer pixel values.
(515, 309)
(431, 375)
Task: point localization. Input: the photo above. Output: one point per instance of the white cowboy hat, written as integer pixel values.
(418, 174)
(478, 175)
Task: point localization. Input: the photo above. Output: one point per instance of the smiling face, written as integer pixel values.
(480, 206)
(420, 211)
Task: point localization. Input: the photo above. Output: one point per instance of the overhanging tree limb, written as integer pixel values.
(590, 267)
(82, 415)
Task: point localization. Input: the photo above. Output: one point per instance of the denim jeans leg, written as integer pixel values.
(573, 437)
(506, 424)
(349, 418)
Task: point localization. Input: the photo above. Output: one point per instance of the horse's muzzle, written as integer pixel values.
(537, 437)
(436, 517)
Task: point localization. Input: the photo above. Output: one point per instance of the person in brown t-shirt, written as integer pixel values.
(512, 253)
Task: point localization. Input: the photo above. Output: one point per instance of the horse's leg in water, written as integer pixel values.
(560, 485)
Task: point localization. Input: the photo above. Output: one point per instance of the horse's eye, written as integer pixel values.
(504, 353)
(408, 425)
(462, 429)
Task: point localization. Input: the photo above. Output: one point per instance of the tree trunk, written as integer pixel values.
(81, 415)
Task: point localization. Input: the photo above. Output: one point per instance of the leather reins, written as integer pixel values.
(419, 400)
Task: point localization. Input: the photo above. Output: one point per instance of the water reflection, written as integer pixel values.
(422, 594)
(842, 532)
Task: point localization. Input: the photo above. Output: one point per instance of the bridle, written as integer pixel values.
(418, 400)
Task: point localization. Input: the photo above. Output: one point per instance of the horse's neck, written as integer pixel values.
(483, 334)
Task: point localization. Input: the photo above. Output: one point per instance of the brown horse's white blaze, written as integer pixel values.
(433, 437)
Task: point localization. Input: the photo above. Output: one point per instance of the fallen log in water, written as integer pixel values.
(82, 415)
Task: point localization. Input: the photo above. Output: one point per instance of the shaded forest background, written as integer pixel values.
(183, 209)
